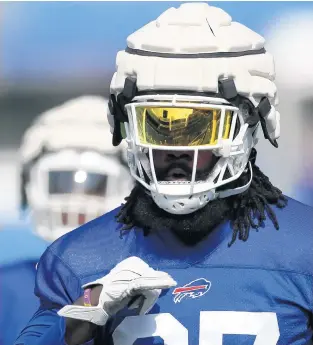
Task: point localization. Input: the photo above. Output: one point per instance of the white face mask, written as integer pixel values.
(68, 188)
(190, 124)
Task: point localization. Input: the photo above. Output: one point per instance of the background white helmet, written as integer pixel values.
(193, 63)
(71, 173)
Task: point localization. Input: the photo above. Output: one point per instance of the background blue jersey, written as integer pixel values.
(256, 292)
(20, 251)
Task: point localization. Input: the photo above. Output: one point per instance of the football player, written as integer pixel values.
(194, 255)
(70, 174)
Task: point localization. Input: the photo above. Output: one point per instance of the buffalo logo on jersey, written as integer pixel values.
(194, 289)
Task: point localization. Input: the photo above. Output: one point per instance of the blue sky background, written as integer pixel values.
(62, 39)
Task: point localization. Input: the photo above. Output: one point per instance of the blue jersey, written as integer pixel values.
(20, 251)
(256, 292)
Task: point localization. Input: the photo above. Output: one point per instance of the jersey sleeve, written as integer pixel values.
(56, 286)
(12, 317)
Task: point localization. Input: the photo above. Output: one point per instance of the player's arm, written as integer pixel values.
(64, 320)
(56, 286)
(77, 331)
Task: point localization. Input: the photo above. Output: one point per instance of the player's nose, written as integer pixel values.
(179, 155)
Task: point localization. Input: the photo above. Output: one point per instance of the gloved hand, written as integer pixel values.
(131, 277)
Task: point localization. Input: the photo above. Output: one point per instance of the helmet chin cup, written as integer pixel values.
(185, 205)
(181, 204)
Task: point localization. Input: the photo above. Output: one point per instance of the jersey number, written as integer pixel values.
(213, 325)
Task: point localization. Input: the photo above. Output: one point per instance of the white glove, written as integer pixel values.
(131, 277)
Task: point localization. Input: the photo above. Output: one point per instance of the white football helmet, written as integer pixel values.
(193, 80)
(71, 173)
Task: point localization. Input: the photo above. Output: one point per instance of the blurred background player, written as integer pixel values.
(70, 174)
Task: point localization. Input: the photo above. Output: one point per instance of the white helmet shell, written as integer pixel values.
(159, 51)
(66, 126)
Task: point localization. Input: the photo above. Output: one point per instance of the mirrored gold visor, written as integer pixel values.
(182, 126)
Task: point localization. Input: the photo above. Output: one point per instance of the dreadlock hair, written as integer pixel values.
(246, 210)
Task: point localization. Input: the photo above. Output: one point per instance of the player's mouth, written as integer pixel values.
(177, 174)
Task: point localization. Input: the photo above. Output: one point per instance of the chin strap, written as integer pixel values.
(229, 192)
